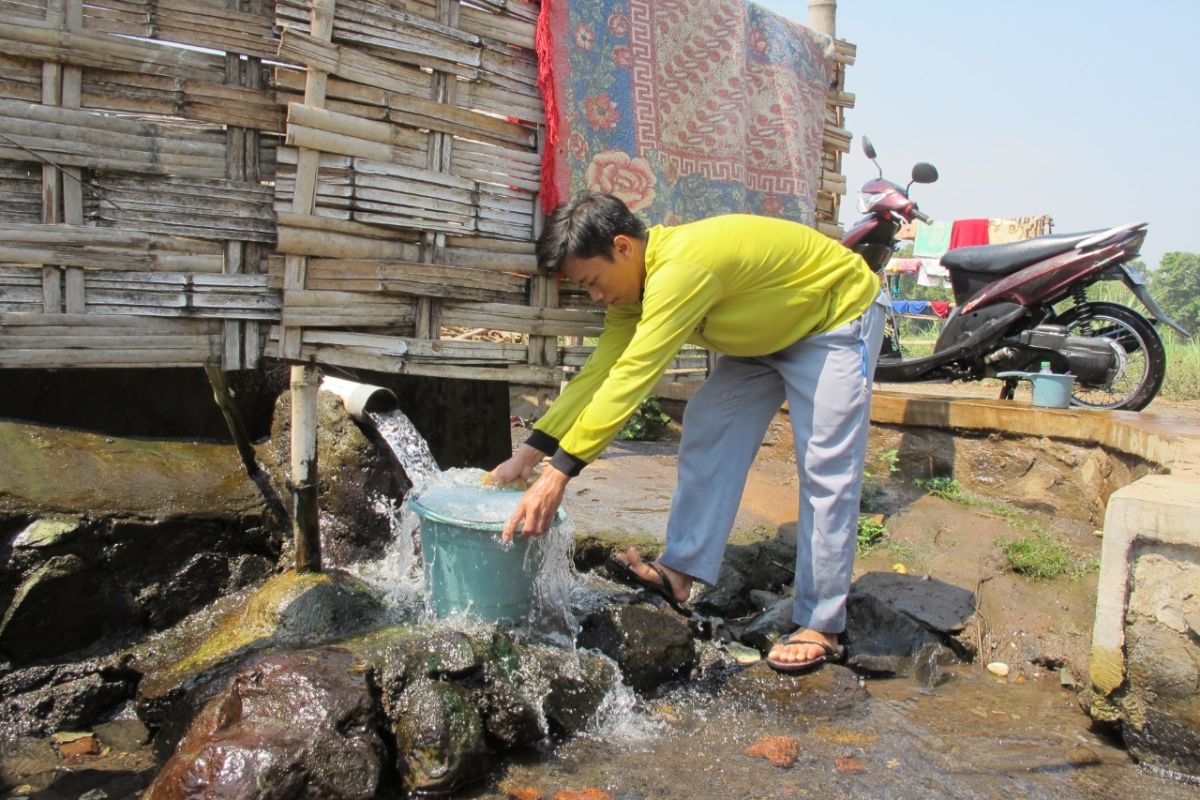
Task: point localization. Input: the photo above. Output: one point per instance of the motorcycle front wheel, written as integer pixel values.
(1142, 363)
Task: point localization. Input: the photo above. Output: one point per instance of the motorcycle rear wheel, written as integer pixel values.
(1143, 361)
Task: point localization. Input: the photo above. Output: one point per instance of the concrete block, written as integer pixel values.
(1145, 660)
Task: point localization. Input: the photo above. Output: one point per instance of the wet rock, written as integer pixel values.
(725, 597)
(766, 627)
(937, 605)
(290, 610)
(1167, 738)
(47, 532)
(61, 606)
(782, 751)
(650, 646)
(761, 599)
(23, 756)
(881, 640)
(829, 691)
(582, 794)
(122, 735)
(771, 565)
(930, 662)
(75, 745)
(356, 471)
(36, 701)
(998, 668)
(578, 684)
(296, 725)
(510, 700)
(439, 737)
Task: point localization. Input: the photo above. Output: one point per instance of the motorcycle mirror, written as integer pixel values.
(924, 173)
(868, 148)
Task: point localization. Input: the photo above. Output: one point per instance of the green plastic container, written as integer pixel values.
(467, 568)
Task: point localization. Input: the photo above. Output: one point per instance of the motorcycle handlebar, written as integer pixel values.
(922, 217)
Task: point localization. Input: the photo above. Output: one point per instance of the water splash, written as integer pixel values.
(409, 446)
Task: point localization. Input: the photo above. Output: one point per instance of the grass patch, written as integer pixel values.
(947, 489)
(871, 533)
(1042, 556)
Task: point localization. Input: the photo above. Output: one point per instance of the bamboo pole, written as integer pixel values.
(305, 517)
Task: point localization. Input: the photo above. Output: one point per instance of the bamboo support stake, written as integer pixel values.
(305, 516)
(304, 195)
(72, 178)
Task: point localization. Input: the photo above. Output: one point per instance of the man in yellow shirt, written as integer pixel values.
(796, 317)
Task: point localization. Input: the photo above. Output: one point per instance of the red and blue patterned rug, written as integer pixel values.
(683, 108)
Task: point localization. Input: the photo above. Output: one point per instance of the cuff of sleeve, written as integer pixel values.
(566, 463)
(542, 441)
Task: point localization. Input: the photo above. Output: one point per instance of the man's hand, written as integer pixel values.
(538, 505)
(517, 468)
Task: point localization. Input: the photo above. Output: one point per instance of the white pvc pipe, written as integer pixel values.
(359, 398)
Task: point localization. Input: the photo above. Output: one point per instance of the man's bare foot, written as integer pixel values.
(680, 584)
(793, 649)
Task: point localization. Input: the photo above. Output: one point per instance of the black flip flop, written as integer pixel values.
(623, 573)
(830, 654)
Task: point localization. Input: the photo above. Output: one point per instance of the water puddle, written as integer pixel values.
(974, 738)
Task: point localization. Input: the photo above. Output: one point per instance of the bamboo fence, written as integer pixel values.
(339, 182)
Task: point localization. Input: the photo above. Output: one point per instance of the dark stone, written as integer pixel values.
(197, 583)
(439, 737)
(769, 625)
(62, 605)
(36, 701)
(829, 691)
(579, 683)
(23, 756)
(509, 700)
(930, 662)
(1167, 739)
(881, 640)
(771, 565)
(122, 735)
(936, 604)
(353, 470)
(449, 654)
(193, 661)
(650, 646)
(726, 597)
(294, 725)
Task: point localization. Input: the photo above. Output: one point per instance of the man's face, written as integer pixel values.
(612, 283)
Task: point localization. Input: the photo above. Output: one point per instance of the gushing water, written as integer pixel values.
(406, 442)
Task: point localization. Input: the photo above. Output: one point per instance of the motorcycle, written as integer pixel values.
(1020, 305)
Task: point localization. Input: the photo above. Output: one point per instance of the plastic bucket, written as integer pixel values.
(1049, 390)
(466, 566)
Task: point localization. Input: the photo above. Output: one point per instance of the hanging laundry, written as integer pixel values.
(932, 240)
(932, 273)
(904, 266)
(911, 308)
(1002, 231)
(940, 307)
(968, 233)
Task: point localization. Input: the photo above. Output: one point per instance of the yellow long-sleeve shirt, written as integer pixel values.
(738, 284)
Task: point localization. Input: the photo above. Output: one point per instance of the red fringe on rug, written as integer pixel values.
(544, 44)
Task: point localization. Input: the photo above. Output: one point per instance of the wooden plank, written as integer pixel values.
(87, 49)
(524, 319)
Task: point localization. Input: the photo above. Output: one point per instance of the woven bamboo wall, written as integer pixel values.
(368, 200)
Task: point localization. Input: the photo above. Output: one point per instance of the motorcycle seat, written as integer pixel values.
(1003, 259)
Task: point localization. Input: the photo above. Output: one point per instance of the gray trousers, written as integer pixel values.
(826, 380)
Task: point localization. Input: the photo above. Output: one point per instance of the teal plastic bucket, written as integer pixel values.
(466, 566)
(1049, 390)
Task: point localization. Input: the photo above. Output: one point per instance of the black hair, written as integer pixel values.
(584, 227)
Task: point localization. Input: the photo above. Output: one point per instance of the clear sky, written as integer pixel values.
(1086, 110)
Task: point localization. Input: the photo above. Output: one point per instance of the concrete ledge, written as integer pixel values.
(1160, 438)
